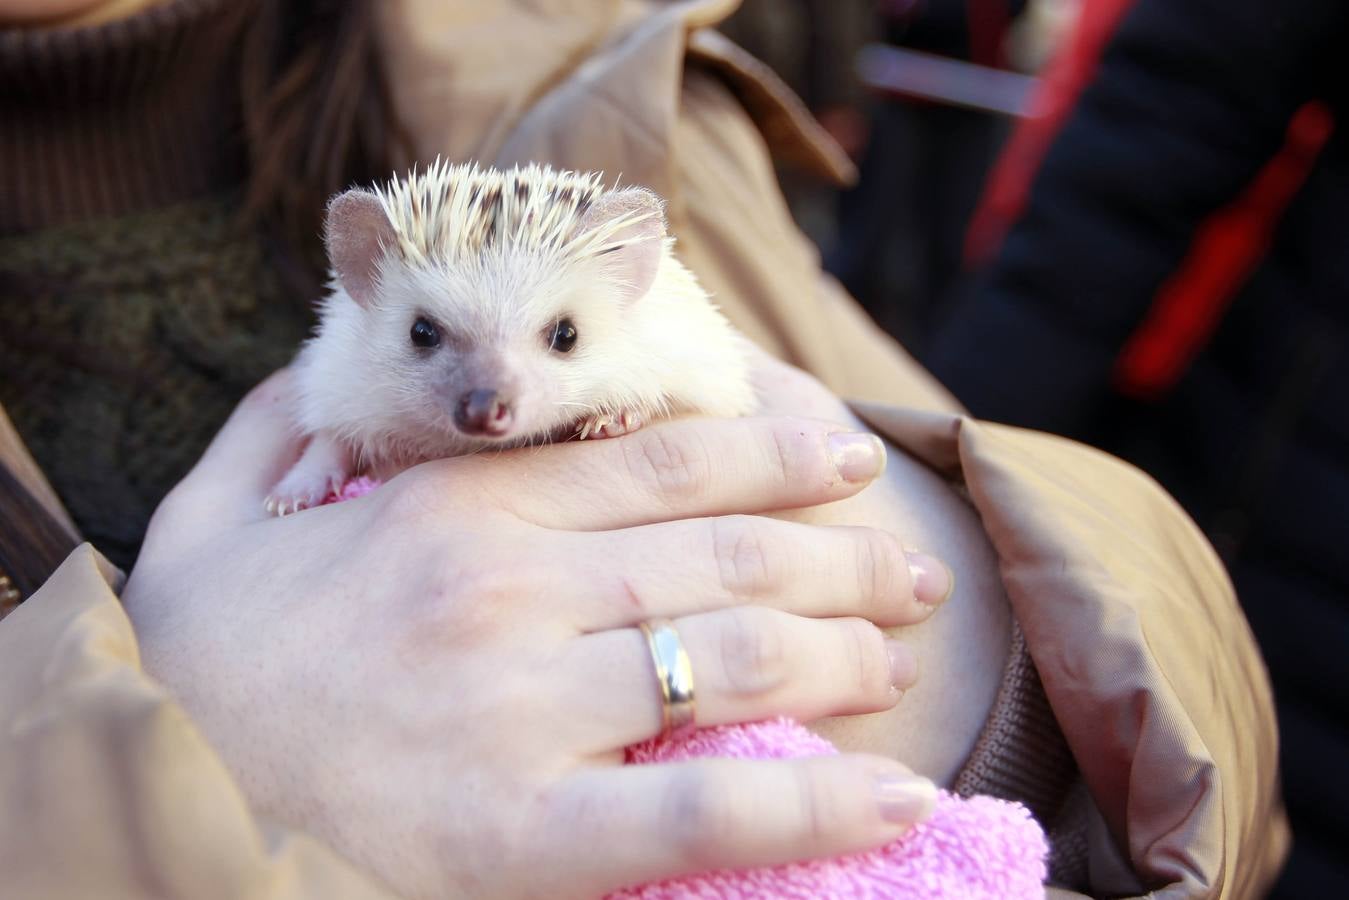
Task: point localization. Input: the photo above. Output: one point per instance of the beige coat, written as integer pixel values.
(1128, 615)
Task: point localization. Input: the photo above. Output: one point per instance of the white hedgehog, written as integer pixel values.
(475, 308)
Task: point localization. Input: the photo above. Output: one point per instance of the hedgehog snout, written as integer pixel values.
(484, 412)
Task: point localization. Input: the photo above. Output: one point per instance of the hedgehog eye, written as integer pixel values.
(564, 336)
(424, 334)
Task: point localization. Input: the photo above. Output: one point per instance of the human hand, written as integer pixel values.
(963, 650)
(438, 678)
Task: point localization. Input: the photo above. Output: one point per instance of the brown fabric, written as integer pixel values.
(1129, 619)
(1021, 754)
(779, 113)
(159, 87)
(31, 552)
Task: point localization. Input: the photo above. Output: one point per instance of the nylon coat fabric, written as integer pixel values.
(1143, 654)
(1172, 289)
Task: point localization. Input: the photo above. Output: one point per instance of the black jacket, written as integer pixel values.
(1190, 100)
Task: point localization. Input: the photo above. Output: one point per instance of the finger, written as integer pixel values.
(748, 664)
(697, 565)
(674, 470)
(254, 448)
(662, 821)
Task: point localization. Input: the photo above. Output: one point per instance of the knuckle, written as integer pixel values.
(752, 652)
(275, 388)
(880, 566)
(179, 497)
(786, 459)
(871, 665)
(740, 552)
(667, 465)
(820, 817)
(798, 458)
(407, 500)
(631, 601)
(465, 603)
(700, 817)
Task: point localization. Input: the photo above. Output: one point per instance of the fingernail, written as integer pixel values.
(903, 665)
(905, 799)
(933, 580)
(857, 456)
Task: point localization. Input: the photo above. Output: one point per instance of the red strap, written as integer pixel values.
(1225, 250)
(1062, 82)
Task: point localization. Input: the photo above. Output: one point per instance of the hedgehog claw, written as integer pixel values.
(607, 426)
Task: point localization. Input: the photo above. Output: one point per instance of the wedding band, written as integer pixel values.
(674, 674)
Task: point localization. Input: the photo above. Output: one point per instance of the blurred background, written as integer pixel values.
(922, 94)
(1123, 221)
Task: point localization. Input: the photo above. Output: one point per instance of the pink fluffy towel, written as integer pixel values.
(972, 849)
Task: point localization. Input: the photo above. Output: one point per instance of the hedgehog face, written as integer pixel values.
(513, 350)
(496, 305)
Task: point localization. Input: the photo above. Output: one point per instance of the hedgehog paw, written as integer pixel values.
(297, 492)
(282, 502)
(609, 426)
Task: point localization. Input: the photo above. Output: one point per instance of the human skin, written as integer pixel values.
(961, 652)
(438, 679)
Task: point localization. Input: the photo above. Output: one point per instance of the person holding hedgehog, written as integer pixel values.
(426, 691)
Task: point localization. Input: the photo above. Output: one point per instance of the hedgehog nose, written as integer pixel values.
(483, 411)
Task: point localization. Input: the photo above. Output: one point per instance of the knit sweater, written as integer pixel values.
(134, 311)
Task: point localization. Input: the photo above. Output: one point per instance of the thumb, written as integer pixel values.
(250, 453)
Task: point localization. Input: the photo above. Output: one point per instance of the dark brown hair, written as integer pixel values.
(318, 116)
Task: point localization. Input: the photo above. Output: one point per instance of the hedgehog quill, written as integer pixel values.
(473, 308)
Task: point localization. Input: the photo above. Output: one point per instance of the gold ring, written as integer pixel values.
(674, 674)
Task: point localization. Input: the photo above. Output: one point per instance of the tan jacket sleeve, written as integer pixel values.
(1145, 656)
(109, 791)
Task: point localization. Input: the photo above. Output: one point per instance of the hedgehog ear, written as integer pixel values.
(634, 264)
(357, 232)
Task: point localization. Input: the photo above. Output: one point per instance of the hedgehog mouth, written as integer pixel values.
(563, 432)
(523, 437)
